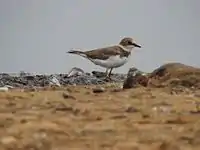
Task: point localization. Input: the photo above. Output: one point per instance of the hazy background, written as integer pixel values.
(35, 34)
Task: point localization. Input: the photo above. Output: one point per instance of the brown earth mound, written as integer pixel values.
(174, 74)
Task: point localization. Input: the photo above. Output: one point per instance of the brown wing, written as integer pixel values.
(104, 53)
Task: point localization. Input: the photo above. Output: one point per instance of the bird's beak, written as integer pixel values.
(136, 45)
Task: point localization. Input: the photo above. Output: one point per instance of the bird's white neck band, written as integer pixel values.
(126, 48)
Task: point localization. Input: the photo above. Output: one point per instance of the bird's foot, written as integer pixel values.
(108, 79)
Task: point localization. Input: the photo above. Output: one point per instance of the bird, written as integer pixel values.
(109, 57)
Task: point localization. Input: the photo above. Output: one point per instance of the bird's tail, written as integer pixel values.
(77, 52)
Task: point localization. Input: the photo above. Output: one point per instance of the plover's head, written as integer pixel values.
(129, 43)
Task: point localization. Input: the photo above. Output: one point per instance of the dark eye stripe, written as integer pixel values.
(130, 43)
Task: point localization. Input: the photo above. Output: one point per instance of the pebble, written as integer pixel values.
(135, 78)
(3, 89)
(98, 90)
(75, 72)
(54, 81)
(66, 95)
(132, 109)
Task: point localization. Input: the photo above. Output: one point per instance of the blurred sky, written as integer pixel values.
(35, 34)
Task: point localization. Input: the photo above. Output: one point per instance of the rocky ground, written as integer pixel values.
(74, 78)
(155, 111)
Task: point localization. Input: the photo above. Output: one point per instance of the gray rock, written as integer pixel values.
(75, 72)
(134, 72)
(98, 90)
(134, 78)
(54, 81)
(66, 95)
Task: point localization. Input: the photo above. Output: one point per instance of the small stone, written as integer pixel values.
(62, 107)
(168, 146)
(131, 109)
(99, 118)
(135, 78)
(75, 72)
(66, 95)
(119, 117)
(23, 121)
(3, 89)
(98, 90)
(145, 115)
(54, 81)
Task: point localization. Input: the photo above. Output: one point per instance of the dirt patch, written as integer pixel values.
(139, 118)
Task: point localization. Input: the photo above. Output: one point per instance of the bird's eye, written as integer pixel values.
(130, 43)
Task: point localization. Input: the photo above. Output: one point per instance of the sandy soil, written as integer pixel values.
(133, 119)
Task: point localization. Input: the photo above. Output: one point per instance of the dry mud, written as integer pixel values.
(76, 118)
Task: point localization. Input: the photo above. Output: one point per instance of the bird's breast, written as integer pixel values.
(112, 61)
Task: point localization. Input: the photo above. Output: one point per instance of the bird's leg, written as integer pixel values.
(106, 72)
(107, 78)
(110, 72)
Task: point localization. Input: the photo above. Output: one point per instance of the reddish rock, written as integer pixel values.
(133, 81)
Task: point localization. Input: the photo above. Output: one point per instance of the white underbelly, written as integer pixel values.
(112, 62)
